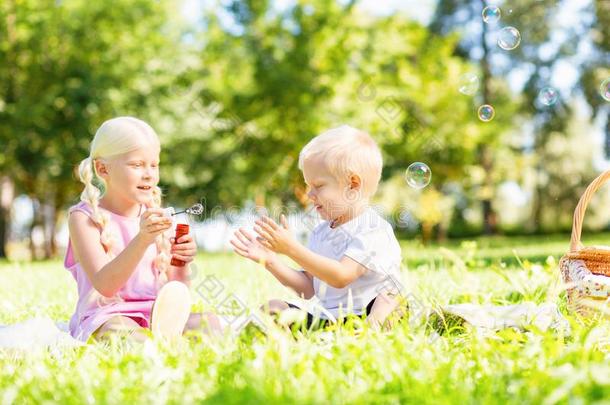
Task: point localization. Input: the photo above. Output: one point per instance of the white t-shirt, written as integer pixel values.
(369, 240)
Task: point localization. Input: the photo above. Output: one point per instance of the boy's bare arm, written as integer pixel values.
(299, 281)
(279, 239)
(246, 245)
(337, 274)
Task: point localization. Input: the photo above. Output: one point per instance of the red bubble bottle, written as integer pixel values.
(181, 230)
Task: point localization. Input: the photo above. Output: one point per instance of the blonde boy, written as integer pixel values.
(353, 256)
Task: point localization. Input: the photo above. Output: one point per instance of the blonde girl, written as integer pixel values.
(119, 249)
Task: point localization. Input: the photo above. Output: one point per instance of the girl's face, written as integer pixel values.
(132, 176)
(330, 196)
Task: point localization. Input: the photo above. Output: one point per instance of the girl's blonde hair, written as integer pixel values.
(346, 150)
(115, 137)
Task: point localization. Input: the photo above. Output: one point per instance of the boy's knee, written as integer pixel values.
(385, 308)
(208, 322)
(275, 306)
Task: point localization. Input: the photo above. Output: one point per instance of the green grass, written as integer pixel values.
(403, 365)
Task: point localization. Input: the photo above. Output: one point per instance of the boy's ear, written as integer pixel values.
(355, 182)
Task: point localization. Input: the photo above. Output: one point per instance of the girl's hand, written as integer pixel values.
(184, 248)
(153, 224)
(245, 244)
(275, 237)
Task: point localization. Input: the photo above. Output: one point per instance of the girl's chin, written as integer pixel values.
(144, 200)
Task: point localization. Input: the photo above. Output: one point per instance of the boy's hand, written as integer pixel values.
(275, 237)
(245, 244)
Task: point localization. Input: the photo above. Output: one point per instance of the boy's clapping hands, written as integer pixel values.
(246, 244)
(277, 238)
(264, 246)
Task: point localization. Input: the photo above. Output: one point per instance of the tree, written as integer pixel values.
(69, 66)
(531, 18)
(273, 80)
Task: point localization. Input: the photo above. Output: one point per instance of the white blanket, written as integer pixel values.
(519, 316)
(36, 333)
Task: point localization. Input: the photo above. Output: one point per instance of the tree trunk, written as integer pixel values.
(48, 224)
(441, 233)
(7, 194)
(535, 224)
(426, 228)
(259, 200)
(36, 221)
(485, 152)
(4, 225)
(59, 204)
(7, 187)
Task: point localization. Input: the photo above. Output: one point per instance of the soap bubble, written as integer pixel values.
(491, 14)
(469, 84)
(418, 175)
(604, 89)
(486, 113)
(509, 38)
(196, 209)
(194, 214)
(548, 96)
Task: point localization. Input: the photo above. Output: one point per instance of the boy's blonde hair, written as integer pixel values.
(347, 151)
(115, 137)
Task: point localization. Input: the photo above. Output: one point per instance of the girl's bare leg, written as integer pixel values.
(123, 326)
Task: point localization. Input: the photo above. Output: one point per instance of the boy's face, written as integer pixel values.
(332, 198)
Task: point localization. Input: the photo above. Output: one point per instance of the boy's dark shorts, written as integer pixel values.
(322, 323)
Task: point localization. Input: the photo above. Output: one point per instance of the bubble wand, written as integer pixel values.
(183, 229)
(196, 209)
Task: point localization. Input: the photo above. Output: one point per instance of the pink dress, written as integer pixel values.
(134, 300)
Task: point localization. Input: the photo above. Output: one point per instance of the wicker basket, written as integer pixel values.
(581, 266)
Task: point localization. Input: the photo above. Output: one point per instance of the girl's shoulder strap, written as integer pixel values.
(82, 207)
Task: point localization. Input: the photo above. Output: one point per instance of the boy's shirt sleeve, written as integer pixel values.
(370, 250)
(311, 242)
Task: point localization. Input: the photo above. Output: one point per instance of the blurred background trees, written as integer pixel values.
(236, 88)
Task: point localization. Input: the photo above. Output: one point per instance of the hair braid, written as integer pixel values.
(91, 195)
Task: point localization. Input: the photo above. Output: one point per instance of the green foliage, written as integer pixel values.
(68, 66)
(284, 78)
(234, 102)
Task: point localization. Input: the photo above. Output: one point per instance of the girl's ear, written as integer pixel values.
(101, 168)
